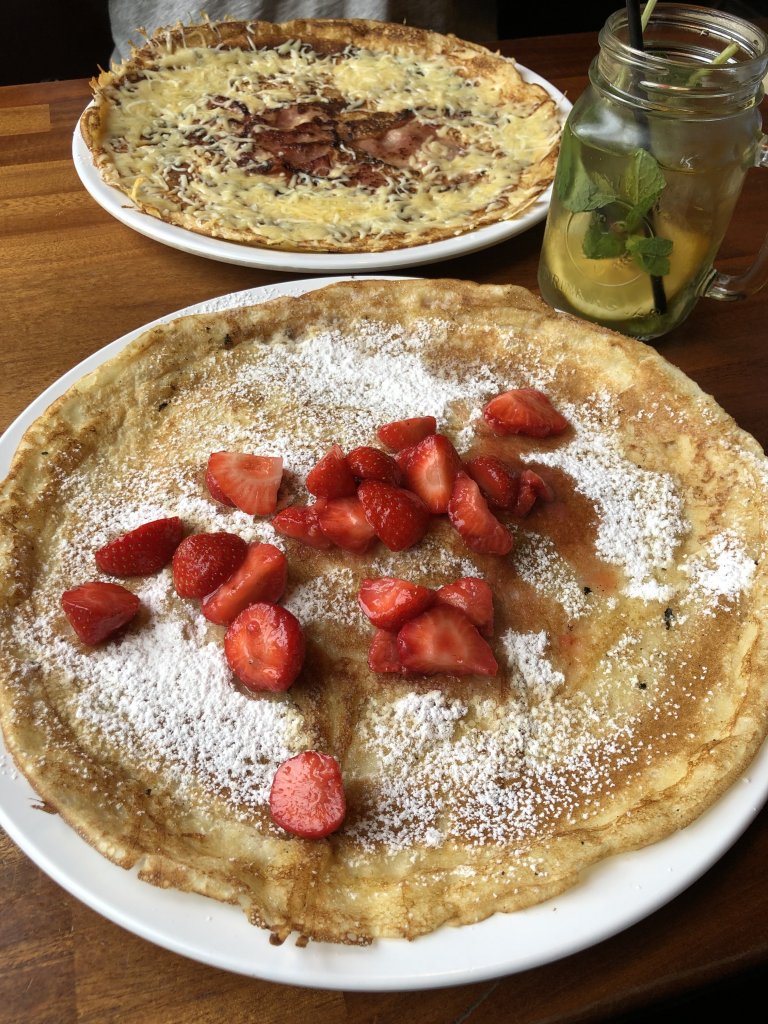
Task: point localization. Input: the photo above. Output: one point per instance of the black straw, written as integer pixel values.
(635, 26)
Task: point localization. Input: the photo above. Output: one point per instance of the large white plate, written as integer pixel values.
(610, 898)
(121, 207)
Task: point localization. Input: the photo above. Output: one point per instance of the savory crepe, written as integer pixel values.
(338, 136)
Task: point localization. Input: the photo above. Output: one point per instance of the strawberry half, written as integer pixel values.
(389, 602)
(498, 481)
(383, 653)
(524, 411)
(249, 482)
(475, 523)
(264, 647)
(302, 522)
(399, 517)
(307, 795)
(142, 551)
(203, 561)
(261, 576)
(431, 469)
(344, 523)
(215, 491)
(369, 463)
(443, 639)
(402, 433)
(96, 610)
(472, 596)
(331, 477)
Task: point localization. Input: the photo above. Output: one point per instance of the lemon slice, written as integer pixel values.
(612, 290)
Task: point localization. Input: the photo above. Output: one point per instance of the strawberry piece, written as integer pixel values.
(307, 795)
(389, 602)
(203, 561)
(403, 457)
(331, 477)
(142, 551)
(264, 646)
(399, 517)
(96, 610)
(472, 596)
(261, 576)
(383, 653)
(475, 523)
(302, 522)
(402, 433)
(524, 411)
(498, 481)
(344, 523)
(250, 482)
(443, 639)
(531, 487)
(215, 491)
(431, 469)
(369, 463)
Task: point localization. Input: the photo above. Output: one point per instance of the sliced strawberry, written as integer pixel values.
(331, 477)
(443, 639)
(142, 551)
(302, 522)
(498, 481)
(307, 795)
(96, 610)
(403, 457)
(476, 524)
(264, 647)
(369, 463)
(402, 433)
(389, 602)
(344, 523)
(215, 491)
(472, 596)
(261, 576)
(524, 411)
(431, 469)
(531, 487)
(383, 653)
(250, 482)
(203, 561)
(399, 517)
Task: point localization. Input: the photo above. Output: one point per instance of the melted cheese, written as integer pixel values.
(168, 141)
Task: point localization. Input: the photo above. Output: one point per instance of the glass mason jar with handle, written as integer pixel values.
(652, 162)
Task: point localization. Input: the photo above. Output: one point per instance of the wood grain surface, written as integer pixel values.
(74, 279)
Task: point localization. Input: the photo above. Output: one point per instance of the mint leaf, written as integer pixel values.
(650, 254)
(599, 242)
(642, 181)
(574, 187)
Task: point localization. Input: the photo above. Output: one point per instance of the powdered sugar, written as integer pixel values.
(529, 667)
(640, 520)
(721, 573)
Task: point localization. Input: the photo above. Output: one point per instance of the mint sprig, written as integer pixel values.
(639, 190)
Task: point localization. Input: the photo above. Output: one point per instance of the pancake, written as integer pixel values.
(338, 136)
(628, 616)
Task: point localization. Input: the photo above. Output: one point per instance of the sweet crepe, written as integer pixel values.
(629, 614)
(336, 136)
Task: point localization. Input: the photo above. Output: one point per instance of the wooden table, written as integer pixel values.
(74, 279)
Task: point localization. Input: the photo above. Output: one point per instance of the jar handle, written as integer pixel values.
(740, 286)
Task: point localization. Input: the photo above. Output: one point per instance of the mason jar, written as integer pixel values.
(652, 161)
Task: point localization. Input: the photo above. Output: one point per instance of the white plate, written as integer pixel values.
(614, 895)
(121, 207)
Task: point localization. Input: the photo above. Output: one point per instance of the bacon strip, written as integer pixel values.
(308, 138)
